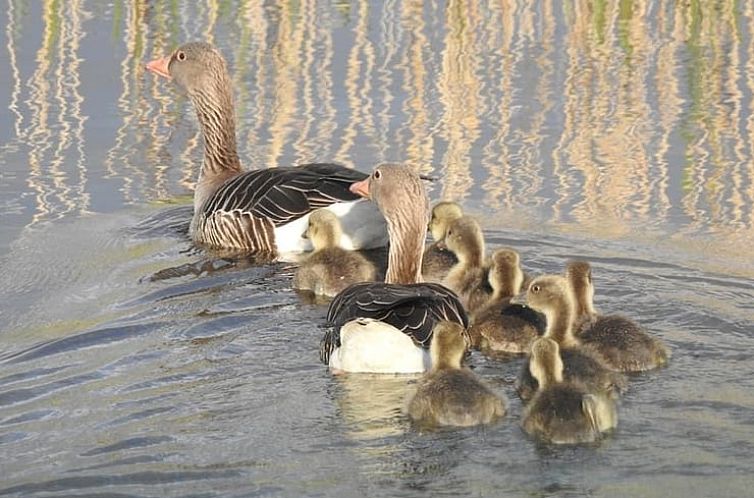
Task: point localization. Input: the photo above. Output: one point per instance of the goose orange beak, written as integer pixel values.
(160, 67)
(360, 188)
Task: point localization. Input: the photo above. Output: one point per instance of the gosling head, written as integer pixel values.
(545, 363)
(579, 275)
(443, 213)
(505, 276)
(550, 294)
(324, 229)
(464, 237)
(448, 345)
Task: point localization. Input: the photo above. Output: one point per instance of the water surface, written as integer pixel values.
(133, 364)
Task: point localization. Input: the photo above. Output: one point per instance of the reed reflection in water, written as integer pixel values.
(609, 117)
(134, 365)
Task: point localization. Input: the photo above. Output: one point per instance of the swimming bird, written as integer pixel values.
(329, 268)
(403, 301)
(438, 260)
(500, 326)
(625, 345)
(468, 277)
(564, 412)
(263, 210)
(552, 296)
(449, 394)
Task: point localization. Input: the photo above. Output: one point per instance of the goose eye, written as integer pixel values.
(377, 175)
(181, 56)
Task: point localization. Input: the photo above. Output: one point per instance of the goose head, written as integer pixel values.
(579, 275)
(200, 70)
(545, 363)
(505, 276)
(443, 213)
(448, 345)
(324, 230)
(464, 238)
(551, 295)
(400, 196)
(196, 67)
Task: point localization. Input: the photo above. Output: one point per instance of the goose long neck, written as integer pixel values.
(214, 110)
(560, 323)
(406, 230)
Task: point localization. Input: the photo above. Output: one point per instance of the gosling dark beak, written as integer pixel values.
(520, 299)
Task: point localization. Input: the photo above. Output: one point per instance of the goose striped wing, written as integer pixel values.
(413, 309)
(282, 195)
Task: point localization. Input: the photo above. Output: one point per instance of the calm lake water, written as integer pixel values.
(132, 364)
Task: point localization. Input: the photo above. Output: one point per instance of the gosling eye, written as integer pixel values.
(180, 55)
(362, 321)
(535, 288)
(377, 175)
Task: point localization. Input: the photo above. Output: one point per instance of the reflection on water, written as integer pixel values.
(607, 116)
(133, 364)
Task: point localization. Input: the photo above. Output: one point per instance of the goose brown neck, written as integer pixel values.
(216, 116)
(406, 230)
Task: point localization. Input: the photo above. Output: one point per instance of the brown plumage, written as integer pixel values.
(468, 277)
(625, 345)
(564, 412)
(329, 268)
(438, 260)
(451, 395)
(500, 326)
(552, 296)
(256, 211)
(403, 300)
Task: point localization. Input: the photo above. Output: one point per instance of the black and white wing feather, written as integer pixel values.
(285, 194)
(413, 309)
(244, 210)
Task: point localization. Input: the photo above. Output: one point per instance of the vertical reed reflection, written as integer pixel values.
(610, 115)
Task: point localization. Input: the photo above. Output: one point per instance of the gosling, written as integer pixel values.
(552, 296)
(329, 268)
(564, 412)
(625, 345)
(449, 394)
(502, 327)
(468, 277)
(438, 260)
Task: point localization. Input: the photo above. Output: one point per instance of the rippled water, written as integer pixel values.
(132, 364)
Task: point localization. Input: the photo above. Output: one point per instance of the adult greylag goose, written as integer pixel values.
(501, 326)
(438, 260)
(402, 301)
(468, 277)
(263, 210)
(564, 412)
(449, 394)
(329, 268)
(625, 345)
(551, 295)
